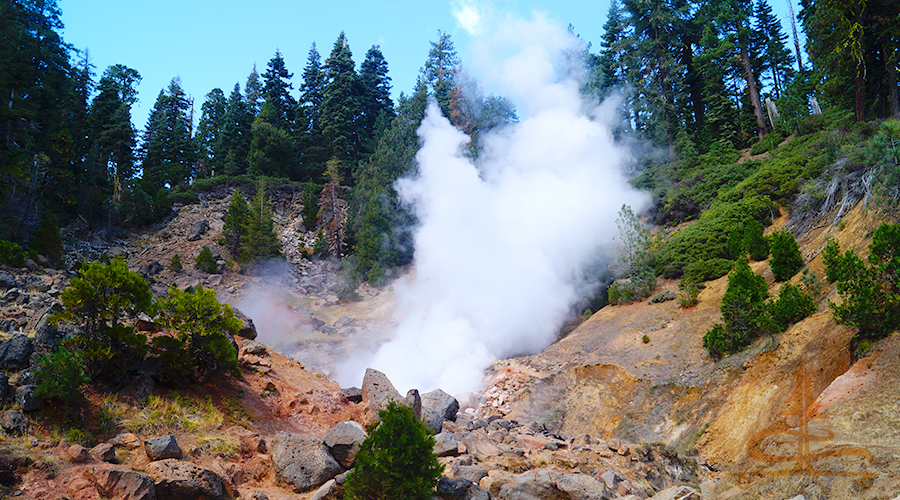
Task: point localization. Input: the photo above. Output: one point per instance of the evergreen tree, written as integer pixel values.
(775, 57)
(440, 70)
(261, 242)
(111, 129)
(342, 108)
(210, 134)
(313, 153)
(377, 106)
(332, 209)
(277, 87)
(236, 133)
(167, 150)
(271, 149)
(236, 222)
(254, 93)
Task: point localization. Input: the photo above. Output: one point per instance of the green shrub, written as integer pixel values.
(792, 306)
(663, 296)
(60, 374)
(688, 293)
(870, 293)
(754, 242)
(11, 254)
(767, 143)
(205, 261)
(47, 241)
(183, 198)
(624, 292)
(175, 263)
(744, 312)
(198, 345)
(396, 460)
(101, 299)
(705, 270)
(718, 342)
(786, 259)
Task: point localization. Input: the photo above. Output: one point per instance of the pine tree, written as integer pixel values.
(236, 133)
(210, 134)
(254, 92)
(440, 69)
(261, 242)
(271, 149)
(313, 153)
(111, 128)
(277, 87)
(775, 57)
(341, 108)
(236, 223)
(167, 150)
(377, 106)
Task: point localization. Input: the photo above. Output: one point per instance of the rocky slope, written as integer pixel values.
(575, 421)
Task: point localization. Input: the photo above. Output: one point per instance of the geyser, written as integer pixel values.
(502, 245)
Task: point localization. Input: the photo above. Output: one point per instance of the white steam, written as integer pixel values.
(502, 245)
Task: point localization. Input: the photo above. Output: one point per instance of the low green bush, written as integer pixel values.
(786, 259)
(792, 306)
(767, 143)
(60, 374)
(396, 460)
(205, 261)
(11, 254)
(706, 270)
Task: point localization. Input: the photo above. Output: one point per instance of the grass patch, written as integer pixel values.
(174, 413)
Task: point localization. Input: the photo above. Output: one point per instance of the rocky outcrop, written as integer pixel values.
(177, 480)
(14, 422)
(16, 352)
(302, 462)
(248, 329)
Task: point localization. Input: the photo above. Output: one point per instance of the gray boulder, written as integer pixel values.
(378, 391)
(197, 228)
(331, 490)
(26, 398)
(302, 462)
(124, 484)
(161, 448)
(248, 329)
(104, 452)
(177, 480)
(460, 489)
(583, 487)
(446, 444)
(438, 406)
(14, 422)
(5, 390)
(7, 281)
(473, 473)
(16, 351)
(532, 485)
(343, 441)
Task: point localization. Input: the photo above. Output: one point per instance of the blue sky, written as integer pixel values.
(213, 44)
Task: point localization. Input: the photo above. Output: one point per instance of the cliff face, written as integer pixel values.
(793, 414)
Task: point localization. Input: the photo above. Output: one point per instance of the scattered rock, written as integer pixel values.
(16, 351)
(78, 454)
(126, 440)
(177, 480)
(446, 444)
(248, 329)
(161, 448)
(14, 422)
(302, 462)
(531, 485)
(460, 489)
(680, 493)
(7, 281)
(27, 400)
(473, 473)
(343, 441)
(124, 484)
(5, 390)
(331, 490)
(583, 487)
(104, 452)
(197, 228)
(414, 401)
(438, 406)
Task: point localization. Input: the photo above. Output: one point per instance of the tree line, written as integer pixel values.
(690, 75)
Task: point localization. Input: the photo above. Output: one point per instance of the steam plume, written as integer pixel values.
(502, 245)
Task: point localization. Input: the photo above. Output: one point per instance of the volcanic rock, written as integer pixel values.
(163, 447)
(124, 484)
(302, 462)
(343, 442)
(438, 406)
(378, 392)
(177, 480)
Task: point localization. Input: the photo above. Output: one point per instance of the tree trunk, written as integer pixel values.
(860, 81)
(754, 93)
(893, 98)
